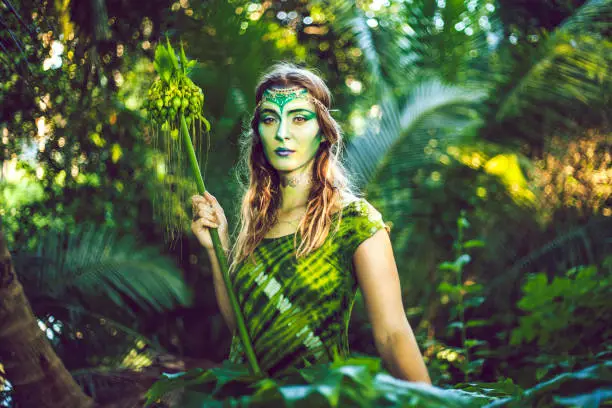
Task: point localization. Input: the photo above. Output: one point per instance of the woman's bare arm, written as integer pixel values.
(379, 281)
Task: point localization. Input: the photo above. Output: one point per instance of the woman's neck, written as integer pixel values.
(295, 188)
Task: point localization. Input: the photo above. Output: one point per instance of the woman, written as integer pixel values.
(306, 241)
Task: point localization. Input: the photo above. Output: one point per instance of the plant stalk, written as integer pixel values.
(459, 252)
(242, 330)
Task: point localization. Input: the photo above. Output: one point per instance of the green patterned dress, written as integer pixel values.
(297, 311)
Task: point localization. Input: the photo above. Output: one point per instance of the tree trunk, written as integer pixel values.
(38, 376)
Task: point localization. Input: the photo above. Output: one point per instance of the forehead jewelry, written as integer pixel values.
(282, 96)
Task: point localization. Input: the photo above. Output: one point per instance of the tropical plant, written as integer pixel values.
(361, 382)
(89, 289)
(463, 155)
(94, 267)
(174, 102)
(462, 294)
(93, 110)
(460, 98)
(566, 71)
(385, 43)
(565, 318)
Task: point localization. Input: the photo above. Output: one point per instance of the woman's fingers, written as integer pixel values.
(206, 197)
(213, 202)
(202, 223)
(197, 199)
(200, 204)
(212, 217)
(208, 224)
(196, 202)
(207, 215)
(210, 197)
(207, 208)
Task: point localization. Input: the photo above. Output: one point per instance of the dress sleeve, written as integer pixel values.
(365, 222)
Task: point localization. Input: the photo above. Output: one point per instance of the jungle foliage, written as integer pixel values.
(480, 129)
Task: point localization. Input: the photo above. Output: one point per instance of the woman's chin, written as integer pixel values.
(284, 167)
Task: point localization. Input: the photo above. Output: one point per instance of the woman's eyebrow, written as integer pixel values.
(269, 110)
(300, 109)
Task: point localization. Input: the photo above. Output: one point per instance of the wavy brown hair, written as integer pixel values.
(261, 193)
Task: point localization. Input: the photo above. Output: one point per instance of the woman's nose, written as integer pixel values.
(283, 130)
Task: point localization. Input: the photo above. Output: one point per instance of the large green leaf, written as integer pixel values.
(590, 386)
(402, 43)
(406, 104)
(562, 80)
(95, 263)
(366, 154)
(573, 69)
(357, 382)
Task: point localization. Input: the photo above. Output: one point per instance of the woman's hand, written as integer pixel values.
(207, 213)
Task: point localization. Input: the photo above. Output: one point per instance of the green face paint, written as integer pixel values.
(282, 96)
(289, 120)
(298, 115)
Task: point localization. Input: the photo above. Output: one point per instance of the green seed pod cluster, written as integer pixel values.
(166, 99)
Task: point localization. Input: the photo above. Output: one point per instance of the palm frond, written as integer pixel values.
(126, 387)
(594, 16)
(95, 263)
(348, 17)
(572, 71)
(366, 154)
(408, 46)
(74, 317)
(84, 339)
(121, 388)
(392, 53)
(582, 245)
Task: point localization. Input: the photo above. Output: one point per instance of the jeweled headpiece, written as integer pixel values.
(282, 96)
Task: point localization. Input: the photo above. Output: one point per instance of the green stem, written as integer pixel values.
(242, 331)
(458, 253)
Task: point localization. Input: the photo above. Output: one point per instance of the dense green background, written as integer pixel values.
(480, 129)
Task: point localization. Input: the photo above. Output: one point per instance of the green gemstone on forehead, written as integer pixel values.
(282, 96)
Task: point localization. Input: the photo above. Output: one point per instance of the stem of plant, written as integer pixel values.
(461, 306)
(242, 331)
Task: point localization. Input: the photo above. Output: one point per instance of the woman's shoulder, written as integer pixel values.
(348, 200)
(359, 214)
(362, 209)
(361, 220)
(359, 206)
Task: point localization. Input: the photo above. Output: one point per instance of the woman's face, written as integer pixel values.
(288, 120)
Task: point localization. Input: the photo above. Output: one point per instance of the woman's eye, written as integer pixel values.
(300, 119)
(268, 120)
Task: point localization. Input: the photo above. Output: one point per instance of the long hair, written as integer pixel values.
(262, 197)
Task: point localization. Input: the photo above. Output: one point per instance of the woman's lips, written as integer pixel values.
(284, 153)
